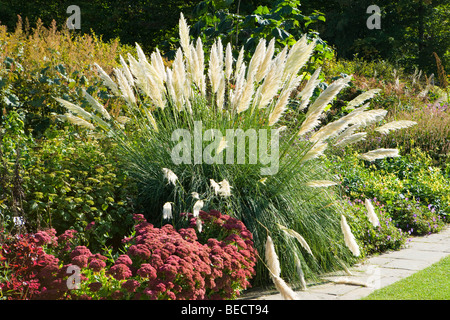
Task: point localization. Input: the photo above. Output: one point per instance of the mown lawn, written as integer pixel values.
(432, 283)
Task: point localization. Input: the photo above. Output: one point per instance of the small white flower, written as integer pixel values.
(169, 175)
(167, 211)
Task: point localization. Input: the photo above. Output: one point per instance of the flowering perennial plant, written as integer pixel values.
(159, 263)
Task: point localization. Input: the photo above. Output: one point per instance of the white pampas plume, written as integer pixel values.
(77, 121)
(239, 62)
(270, 86)
(395, 125)
(266, 61)
(127, 91)
(351, 139)
(330, 130)
(170, 175)
(243, 102)
(220, 97)
(96, 105)
(167, 211)
(308, 90)
(362, 97)
(215, 186)
(373, 218)
(273, 265)
(301, 275)
(349, 238)
(315, 151)
(184, 34)
(197, 207)
(214, 69)
(225, 189)
(282, 101)
(349, 282)
(126, 71)
(316, 109)
(271, 258)
(107, 80)
(368, 117)
(199, 224)
(151, 119)
(320, 183)
(201, 66)
(228, 61)
(195, 195)
(255, 61)
(297, 236)
(75, 109)
(298, 56)
(379, 154)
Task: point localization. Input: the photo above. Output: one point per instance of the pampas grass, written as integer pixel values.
(225, 94)
(395, 125)
(349, 238)
(373, 218)
(379, 154)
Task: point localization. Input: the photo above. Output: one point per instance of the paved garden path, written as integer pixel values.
(373, 273)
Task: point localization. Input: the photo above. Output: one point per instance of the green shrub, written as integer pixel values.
(373, 239)
(68, 183)
(415, 194)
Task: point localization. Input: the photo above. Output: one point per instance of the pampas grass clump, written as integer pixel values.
(296, 205)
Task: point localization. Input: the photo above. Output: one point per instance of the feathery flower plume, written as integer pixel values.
(198, 205)
(215, 186)
(273, 265)
(214, 70)
(308, 90)
(286, 292)
(297, 236)
(395, 125)
(127, 92)
(349, 238)
(199, 224)
(320, 183)
(228, 61)
(239, 62)
(75, 109)
(315, 110)
(271, 258)
(362, 97)
(225, 189)
(126, 71)
(96, 105)
(270, 86)
(266, 61)
(246, 95)
(315, 151)
(283, 100)
(373, 218)
(184, 34)
(255, 61)
(78, 121)
(379, 154)
(368, 117)
(301, 275)
(351, 139)
(298, 56)
(195, 195)
(107, 81)
(170, 176)
(167, 211)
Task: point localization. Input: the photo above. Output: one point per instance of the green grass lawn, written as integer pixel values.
(432, 283)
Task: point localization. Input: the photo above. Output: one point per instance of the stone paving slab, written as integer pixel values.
(374, 272)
